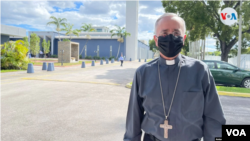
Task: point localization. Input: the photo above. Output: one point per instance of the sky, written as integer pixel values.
(33, 15)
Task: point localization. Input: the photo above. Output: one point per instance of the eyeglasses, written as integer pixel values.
(176, 33)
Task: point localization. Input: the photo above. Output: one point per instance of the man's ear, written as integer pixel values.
(156, 40)
(184, 38)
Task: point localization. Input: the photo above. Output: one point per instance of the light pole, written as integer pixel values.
(62, 57)
(239, 41)
(96, 54)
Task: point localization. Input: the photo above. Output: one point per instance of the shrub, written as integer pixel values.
(88, 57)
(111, 57)
(66, 40)
(103, 58)
(53, 56)
(80, 56)
(96, 58)
(13, 55)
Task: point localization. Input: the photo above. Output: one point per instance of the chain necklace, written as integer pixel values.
(165, 125)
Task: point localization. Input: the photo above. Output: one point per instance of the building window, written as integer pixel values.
(110, 51)
(99, 30)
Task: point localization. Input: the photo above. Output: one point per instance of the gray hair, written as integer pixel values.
(173, 15)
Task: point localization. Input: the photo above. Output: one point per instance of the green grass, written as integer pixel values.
(229, 89)
(3, 71)
(64, 64)
(148, 60)
(233, 89)
(42, 59)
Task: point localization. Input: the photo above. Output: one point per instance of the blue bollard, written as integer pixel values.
(30, 68)
(50, 67)
(139, 60)
(101, 63)
(93, 63)
(83, 64)
(44, 66)
(107, 61)
(130, 59)
(53, 68)
(145, 60)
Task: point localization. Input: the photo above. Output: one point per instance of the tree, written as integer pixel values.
(87, 28)
(152, 45)
(121, 33)
(13, 55)
(234, 51)
(45, 46)
(57, 22)
(69, 30)
(202, 18)
(34, 44)
(26, 42)
(185, 48)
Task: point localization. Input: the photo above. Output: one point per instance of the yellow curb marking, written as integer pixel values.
(72, 81)
(11, 82)
(233, 94)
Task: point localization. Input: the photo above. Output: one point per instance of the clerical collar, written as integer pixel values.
(170, 62)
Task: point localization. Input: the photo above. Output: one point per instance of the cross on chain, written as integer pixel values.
(166, 127)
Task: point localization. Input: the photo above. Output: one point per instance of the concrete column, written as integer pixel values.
(132, 28)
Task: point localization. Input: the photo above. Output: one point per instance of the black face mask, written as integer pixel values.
(170, 45)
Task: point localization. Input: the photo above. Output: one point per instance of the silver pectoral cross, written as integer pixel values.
(166, 127)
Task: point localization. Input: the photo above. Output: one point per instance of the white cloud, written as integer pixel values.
(100, 13)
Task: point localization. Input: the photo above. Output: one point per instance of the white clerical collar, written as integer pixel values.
(170, 62)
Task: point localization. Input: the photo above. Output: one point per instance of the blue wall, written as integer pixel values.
(4, 38)
(104, 47)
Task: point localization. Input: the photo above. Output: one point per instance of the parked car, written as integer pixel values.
(227, 74)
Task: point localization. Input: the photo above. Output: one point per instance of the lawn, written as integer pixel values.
(148, 60)
(42, 59)
(3, 71)
(64, 64)
(228, 89)
(233, 89)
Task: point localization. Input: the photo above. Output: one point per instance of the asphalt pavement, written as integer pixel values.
(79, 104)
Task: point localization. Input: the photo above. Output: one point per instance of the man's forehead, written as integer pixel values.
(176, 24)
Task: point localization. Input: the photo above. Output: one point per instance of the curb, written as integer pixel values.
(235, 94)
(128, 85)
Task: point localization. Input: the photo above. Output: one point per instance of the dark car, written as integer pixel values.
(227, 74)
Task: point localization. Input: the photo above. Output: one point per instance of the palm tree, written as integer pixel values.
(87, 28)
(121, 33)
(69, 30)
(58, 22)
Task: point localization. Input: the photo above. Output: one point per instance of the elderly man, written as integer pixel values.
(173, 97)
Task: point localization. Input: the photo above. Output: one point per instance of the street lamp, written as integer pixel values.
(96, 54)
(62, 57)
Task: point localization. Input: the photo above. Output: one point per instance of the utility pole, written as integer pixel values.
(239, 41)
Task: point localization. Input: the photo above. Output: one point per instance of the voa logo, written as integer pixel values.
(236, 132)
(228, 16)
